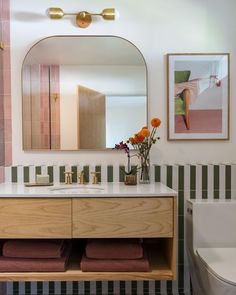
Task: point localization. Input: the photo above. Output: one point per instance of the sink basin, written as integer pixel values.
(76, 189)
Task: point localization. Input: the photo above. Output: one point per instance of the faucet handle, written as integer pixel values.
(68, 177)
(95, 178)
(81, 178)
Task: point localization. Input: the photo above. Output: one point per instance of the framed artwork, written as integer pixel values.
(198, 96)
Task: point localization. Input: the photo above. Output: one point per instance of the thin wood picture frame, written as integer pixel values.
(198, 87)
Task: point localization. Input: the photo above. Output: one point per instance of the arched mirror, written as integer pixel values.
(82, 92)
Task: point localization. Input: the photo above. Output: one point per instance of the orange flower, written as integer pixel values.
(139, 138)
(145, 132)
(132, 140)
(155, 122)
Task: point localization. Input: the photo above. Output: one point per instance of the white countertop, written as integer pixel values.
(157, 189)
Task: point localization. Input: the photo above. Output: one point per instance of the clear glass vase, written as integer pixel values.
(144, 170)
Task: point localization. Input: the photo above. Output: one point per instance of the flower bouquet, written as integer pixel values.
(142, 143)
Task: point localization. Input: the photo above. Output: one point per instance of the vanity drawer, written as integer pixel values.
(35, 218)
(122, 217)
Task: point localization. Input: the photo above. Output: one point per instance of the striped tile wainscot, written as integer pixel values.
(206, 181)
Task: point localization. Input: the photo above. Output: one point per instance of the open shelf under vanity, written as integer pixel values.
(160, 269)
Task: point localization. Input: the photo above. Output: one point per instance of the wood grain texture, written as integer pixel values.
(35, 218)
(173, 260)
(122, 217)
(92, 119)
(94, 217)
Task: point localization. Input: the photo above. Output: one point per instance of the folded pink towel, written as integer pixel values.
(109, 265)
(8, 264)
(114, 249)
(33, 248)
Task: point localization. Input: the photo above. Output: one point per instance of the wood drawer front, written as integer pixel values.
(122, 217)
(35, 218)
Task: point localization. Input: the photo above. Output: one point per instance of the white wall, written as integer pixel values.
(110, 80)
(156, 27)
(125, 116)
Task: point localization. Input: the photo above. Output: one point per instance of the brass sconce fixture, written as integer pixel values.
(83, 18)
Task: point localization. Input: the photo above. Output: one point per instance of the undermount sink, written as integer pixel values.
(76, 189)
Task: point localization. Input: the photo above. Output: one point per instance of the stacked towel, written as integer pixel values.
(114, 249)
(114, 255)
(34, 255)
(33, 248)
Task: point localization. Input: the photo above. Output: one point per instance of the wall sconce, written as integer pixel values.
(83, 18)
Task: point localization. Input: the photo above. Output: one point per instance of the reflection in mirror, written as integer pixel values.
(82, 92)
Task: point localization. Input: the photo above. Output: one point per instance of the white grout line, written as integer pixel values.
(175, 177)
(57, 288)
(9, 288)
(69, 288)
(56, 173)
(45, 288)
(31, 173)
(128, 288)
(233, 181)
(163, 174)
(104, 287)
(8, 174)
(222, 181)
(21, 288)
(116, 287)
(92, 285)
(198, 181)
(151, 287)
(163, 287)
(139, 287)
(33, 288)
(44, 170)
(210, 182)
(81, 288)
(20, 174)
(104, 173)
(116, 173)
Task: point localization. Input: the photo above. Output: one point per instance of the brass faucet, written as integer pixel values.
(81, 179)
(95, 178)
(68, 177)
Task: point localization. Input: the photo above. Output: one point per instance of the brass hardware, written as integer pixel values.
(81, 179)
(55, 96)
(110, 14)
(68, 177)
(95, 178)
(55, 13)
(83, 18)
(2, 45)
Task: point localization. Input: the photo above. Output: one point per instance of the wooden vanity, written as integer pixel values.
(145, 211)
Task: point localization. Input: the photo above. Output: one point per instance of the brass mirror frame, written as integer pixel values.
(81, 36)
